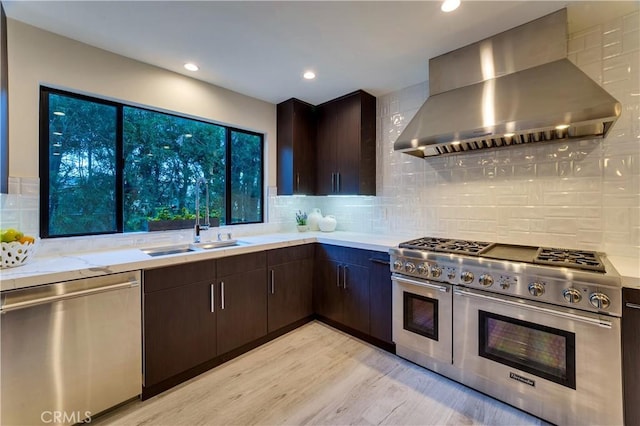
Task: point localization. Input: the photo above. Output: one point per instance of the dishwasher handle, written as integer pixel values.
(51, 299)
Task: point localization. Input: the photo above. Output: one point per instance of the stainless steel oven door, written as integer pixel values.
(422, 321)
(559, 364)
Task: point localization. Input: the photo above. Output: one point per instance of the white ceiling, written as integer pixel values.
(261, 48)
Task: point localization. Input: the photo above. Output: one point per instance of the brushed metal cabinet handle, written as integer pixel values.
(221, 294)
(298, 181)
(632, 305)
(338, 182)
(273, 282)
(333, 182)
(344, 276)
(213, 297)
(338, 276)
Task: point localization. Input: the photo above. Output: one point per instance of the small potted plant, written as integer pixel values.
(301, 221)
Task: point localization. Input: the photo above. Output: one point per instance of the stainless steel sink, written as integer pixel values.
(164, 251)
(208, 245)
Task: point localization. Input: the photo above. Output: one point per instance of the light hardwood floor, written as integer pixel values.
(318, 375)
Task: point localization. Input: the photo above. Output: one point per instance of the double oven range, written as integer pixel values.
(537, 328)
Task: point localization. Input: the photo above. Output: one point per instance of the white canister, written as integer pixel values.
(328, 223)
(312, 220)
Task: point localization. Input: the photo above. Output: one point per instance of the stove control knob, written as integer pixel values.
(410, 267)
(571, 295)
(436, 272)
(485, 280)
(599, 300)
(467, 277)
(451, 274)
(397, 265)
(536, 289)
(422, 269)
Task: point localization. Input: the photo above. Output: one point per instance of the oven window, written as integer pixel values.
(543, 351)
(421, 315)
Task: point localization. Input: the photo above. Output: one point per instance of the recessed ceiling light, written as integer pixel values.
(59, 113)
(309, 75)
(450, 5)
(562, 126)
(191, 66)
(509, 135)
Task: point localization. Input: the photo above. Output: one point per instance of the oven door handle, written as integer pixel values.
(593, 321)
(426, 284)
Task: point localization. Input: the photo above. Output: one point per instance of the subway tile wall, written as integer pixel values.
(583, 194)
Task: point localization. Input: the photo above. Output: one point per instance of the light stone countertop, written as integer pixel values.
(629, 269)
(52, 269)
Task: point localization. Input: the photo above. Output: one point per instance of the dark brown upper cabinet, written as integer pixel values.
(346, 145)
(296, 148)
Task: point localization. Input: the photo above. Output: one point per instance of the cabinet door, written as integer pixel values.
(296, 144)
(304, 147)
(348, 145)
(380, 297)
(290, 293)
(179, 330)
(326, 150)
(355, 287)
(328, 292)
(241, 308)
(631, 355)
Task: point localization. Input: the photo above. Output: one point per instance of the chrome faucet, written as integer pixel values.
(197, 228)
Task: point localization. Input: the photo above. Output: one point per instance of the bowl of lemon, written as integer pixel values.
(17, 248)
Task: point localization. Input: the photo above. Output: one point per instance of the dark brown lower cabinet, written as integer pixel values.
(290, 293)
(178, 322)
(328, 296)
(631, 355)
(200, 314)
(241, 302)
(290, 288)
(341, 289)
(380, 297)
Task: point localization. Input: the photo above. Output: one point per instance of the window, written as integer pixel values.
(106, 167)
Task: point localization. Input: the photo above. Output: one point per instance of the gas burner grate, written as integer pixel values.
(580, 259)
(447, 245)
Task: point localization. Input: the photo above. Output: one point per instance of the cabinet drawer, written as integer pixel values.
(289, 254)
(175, 276)
(343, 254)
(241, 263)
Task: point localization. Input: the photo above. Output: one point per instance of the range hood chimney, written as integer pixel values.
(514, 88)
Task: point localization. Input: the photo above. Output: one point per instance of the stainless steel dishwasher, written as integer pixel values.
(69, 350)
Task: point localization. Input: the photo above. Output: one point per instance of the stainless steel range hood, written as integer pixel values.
(514, 88)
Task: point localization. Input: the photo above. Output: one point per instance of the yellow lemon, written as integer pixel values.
(9, 235)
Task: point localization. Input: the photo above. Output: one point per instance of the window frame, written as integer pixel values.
(44, 140)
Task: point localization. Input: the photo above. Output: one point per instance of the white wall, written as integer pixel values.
(39, 57)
